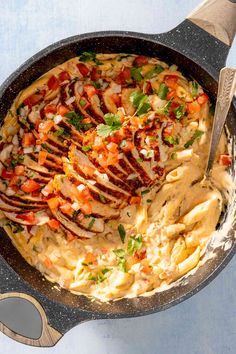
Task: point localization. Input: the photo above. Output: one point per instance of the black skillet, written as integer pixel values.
(199, 46)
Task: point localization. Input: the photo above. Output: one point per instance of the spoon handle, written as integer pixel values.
(226, 89)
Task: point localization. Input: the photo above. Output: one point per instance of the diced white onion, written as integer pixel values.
(70, 100)
(80, 187)
(143, 152)
(21, 132)
(50, 115)
(10, 191)
(28, 150)
(132, 176)
(75, 206)
(15, 140)
(6, 152)
(104, 176)
(115, 88)
(57, 119)
(37, 148)
(33, 230)
(91, 181)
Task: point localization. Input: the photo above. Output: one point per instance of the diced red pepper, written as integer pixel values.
(84, 70)
(86, 208)
(67, 209)
(193, 107)
(30, 186)
(171, 94)
(63, 76)
(112, 147)
(225, 160)
(135, 200)
(140, 60)
(42, 157)
(94, 75)
(7, 174)
(53, 83)
(50, 108)
(54, 224)
(202, 98)
(124, 76)
(33, 99)
(28, 217)
(171, 81)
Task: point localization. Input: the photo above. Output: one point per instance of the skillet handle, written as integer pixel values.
(49, 336)
(217, 17)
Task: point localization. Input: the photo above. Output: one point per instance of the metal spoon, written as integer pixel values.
(226, 89)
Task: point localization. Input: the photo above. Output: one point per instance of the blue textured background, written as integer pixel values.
(204, 324)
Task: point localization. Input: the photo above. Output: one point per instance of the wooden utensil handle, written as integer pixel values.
(217, 17)
(49, 336)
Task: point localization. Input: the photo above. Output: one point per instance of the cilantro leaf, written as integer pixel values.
(140, 101)
(197, 135)
(171, 140)
(15, 227)
(179, 111)
(136, 74)
(89, 56)
(76, 120)
(162, 92)
(113, 123)
(135, 244)
(87, 147)
(119, 252)
(122, 232)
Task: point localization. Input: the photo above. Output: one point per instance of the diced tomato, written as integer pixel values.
(46, 126)
(140, 60)
(28, 140)
(128, 146)
(48, 263)
(14, 181)
(53, 83)
(70, 236)
(112, 147)
(202, 98)
(50, 108)
(36, 193)
(115, 137)
(62, 110)
(112, 159)
(124, 76)
(193, 107)
(90, 258)
(42, 157)
(146, 269)
(7, 174)
(29, 186)
(86, 208)
(84, 70)
(98, 144)
(54, 224)
(135, 200)
(19, 170)
(42, 139)
(225, 160)
(116, 99)
(94, 75)
(102, 160)
(53, 203)
(140, 255)
(83, 195)
(90, 90)
(171, 94)
(33, 99)
(28, 217)
(67, 209)
(63, 76)
(88, 170)
(171, 81)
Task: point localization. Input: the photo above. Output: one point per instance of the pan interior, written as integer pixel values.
(113, 44)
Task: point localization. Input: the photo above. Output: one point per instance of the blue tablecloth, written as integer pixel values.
(204, 324)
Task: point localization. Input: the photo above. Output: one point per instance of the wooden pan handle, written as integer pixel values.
(217, 17)
(49, 336)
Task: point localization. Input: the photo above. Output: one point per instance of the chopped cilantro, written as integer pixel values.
(92, 277)
(179, 111)
(90, 225)
(106, 270)
(76, 120)
(145, 191)
(197, 135)
(82, 103)
(149, 200)
(119, 252)
(173, 156)
(136, 74)
(172, 140)
(16, 160)
(122, 232)
(135, 244)
(62, 132)
(86, 147)
(113, 123)
(89, 56)
(102, 198)
(194, 89)
(15, 227)
(162, 92)
(75, 215)
(140, 102)
(157, 70)
(44, 146)
(96, 84)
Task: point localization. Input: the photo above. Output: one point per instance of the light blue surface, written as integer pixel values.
(204, 324)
